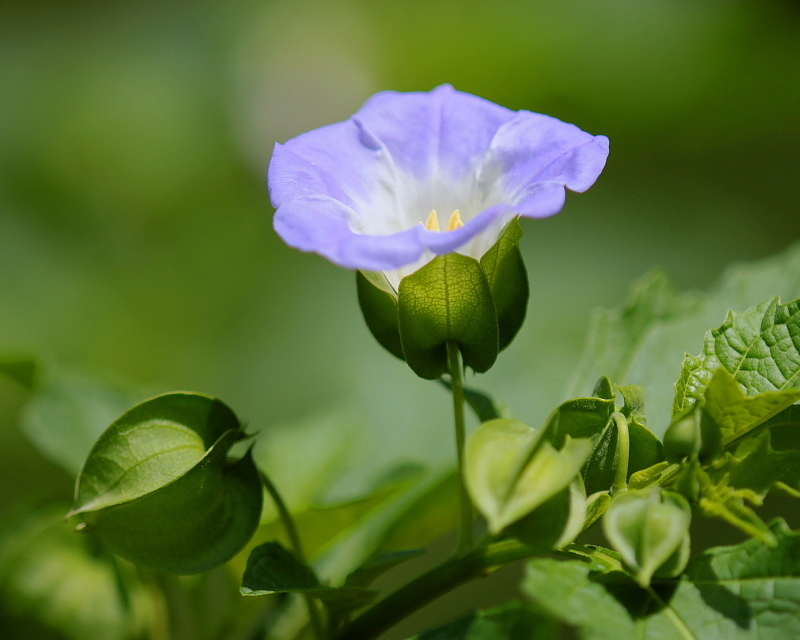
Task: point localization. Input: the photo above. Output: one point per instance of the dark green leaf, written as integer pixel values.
(508, 281)
(564, 591)
(379, 307)
(604, 389)
(447, 300)
(512, 621)
(483, 405)
(272, 569)
(158, 489)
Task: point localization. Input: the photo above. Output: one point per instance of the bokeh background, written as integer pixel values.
(135, 225)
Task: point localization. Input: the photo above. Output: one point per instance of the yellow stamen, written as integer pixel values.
(455, 221)
(433, 221)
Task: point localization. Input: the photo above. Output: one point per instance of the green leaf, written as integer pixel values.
(512, 621)
(596, 505)
(509, 470)
(67, 413)
(379, 306)
(508, 281)
(272, 569)
(644, 342)
(158, 489)
(757, 466)
(760, 348)
(68, 583)
(737, 414)
(483, 405)
(743, 592)
(649, 529)
(448, 299)
(564, 591)
(555, 523)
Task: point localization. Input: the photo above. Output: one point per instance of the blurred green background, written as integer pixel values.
(135, 224)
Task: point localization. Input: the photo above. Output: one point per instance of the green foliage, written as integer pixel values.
(164, 457)
(69, 582)
(508, 282)
(510, 469)
(650, 530)
(760, 348)
(448, 299)
(379, 306)
(512, 621)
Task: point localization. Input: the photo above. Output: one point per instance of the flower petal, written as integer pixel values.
(534, 153)
(435, 134)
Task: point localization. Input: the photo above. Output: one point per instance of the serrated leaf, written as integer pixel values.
(512, 621)
(737, 414)
(509, 472)
(760, 348)
(448, 299)
(743, 592)
(508, 281)
(648, 529)
(564, 591)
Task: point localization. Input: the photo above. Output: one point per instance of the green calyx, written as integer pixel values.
(159, 490)
(479, 305)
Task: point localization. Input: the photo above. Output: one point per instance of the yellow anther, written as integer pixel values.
(455, 221)
(433, 221)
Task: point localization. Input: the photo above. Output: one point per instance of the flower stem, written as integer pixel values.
(457, 384)
(432, 584)
(623, 452)
(297, 547)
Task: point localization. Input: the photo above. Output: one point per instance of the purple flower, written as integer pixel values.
(364, 192)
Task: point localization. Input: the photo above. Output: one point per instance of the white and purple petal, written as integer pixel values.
(357, 192)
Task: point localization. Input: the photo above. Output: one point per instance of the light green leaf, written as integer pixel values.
(737, 414)
(508, 281)
(64, 580)
(564, 591)
(596, 505)
(509, 470)
(67, 413)
(556, 523)
(512, 621)
(648, 529)
(448, 299)
(760, 348)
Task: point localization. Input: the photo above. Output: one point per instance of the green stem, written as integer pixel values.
(432, 584)
(623, 452)
(457, 383)
(297, 547)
